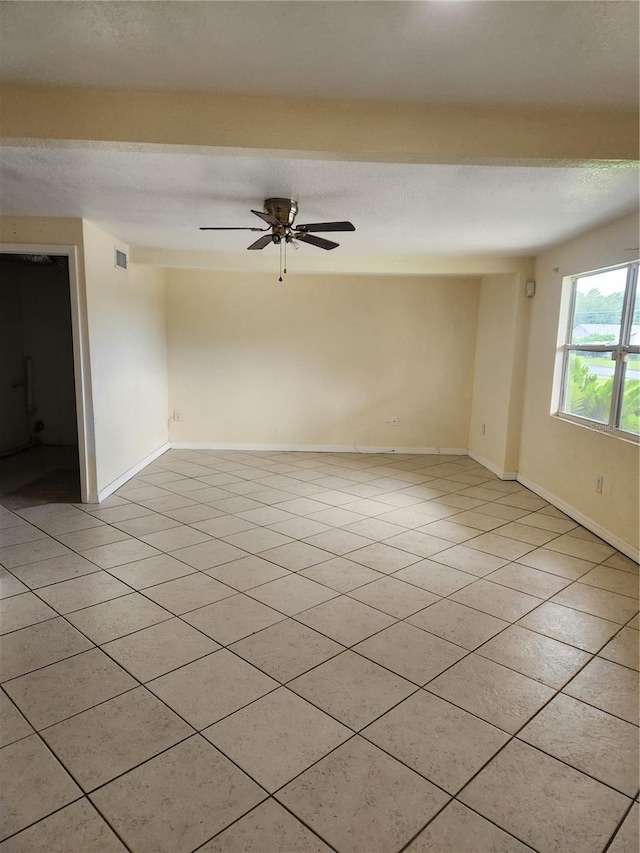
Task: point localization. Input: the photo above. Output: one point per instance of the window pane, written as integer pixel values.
(589, 386)
(598, 307)
(630, 410)
(635, 322)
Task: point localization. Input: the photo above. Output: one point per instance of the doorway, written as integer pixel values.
(39, 447)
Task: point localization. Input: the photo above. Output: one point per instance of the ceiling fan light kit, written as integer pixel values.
(279, 214)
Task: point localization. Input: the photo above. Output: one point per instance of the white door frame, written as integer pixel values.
(81, 365)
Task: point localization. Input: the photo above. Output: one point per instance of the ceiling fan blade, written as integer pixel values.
(326, 226)
(267, 217)
(317, 241)
(216, 228)
(261, 242)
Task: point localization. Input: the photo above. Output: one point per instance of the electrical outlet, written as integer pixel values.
(394, 421)
(176, 415)
(599, 482)
(483, 429)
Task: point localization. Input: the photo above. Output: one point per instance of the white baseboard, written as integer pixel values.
(317, 448)
(504, 475)
(123, 478)
(630, 550)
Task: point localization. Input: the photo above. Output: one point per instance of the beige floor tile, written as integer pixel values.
(374, 529)
(461, 625)
(54, 570)
(77, 593)
(93, 537)
(500, 545)
(277, 737)
(234, 505)
(449, 530)
(614, 580)
(299, 527)
(435, 577)
(152, 571)
(538, 657)
(359, 798)
(623, 649)
(442, 742)
(300, 506)
(65, 688)
(337, 516)
(523, 500)
(459, 830)
(163, 504)
(571, 626)
(191, 514)
(246, 573)
(383, 557)
(468, 560)
(292, 594)
(622, 562)
(210, 688)
(530, 581)
(20, 611)
(548, 805)
(545, 521)
(33, 784)
(58, 518)
(410, 652)
(233, 618)
(478, 519)
(10, 585)
(175, 537)
(223, 525)
(118, 617)
(393, 596)
(296, 556)
(119, 553)
(607, 686)
(20, 533)
(177, 800)
(421, 544)
(146, 524)
(39, 645)
(13, 725)
(187, 593)
(257, 540)
(345, 620)
(159, 649)
(352, 689)
(109, 739)
(598, 602)
(496, 600)
(556, 563)
(208, 555)
(627, 838)
(523, 532)
(266, 515)
(267, 827)
(600, 745)
(121, 512)
(341, 574)
(286, 649)
(338, 541)
(577, 547)
(492, 692)
(77, 827)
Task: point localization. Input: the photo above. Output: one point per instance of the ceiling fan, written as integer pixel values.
(279, 214)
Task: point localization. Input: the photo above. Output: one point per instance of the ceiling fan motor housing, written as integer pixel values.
(284, 209)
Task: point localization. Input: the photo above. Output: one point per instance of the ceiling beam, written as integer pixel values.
(358, 131)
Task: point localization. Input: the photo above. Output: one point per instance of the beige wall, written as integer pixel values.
(498, 381)
(321, 360)
(557, 456)
(127, 341)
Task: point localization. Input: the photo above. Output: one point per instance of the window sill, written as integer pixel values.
(602, 429)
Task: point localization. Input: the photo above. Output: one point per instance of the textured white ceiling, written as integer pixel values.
(551, 53)
(160, 199)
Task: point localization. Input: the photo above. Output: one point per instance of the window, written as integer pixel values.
(601, 368)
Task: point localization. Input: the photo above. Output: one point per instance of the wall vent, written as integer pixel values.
(120, 259)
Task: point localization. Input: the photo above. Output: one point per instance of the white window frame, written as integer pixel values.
(619, 353)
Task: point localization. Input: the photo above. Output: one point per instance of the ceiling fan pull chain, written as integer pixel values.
(285, 257)
(280, 279)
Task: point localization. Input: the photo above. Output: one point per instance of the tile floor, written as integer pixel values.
(309, 652)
